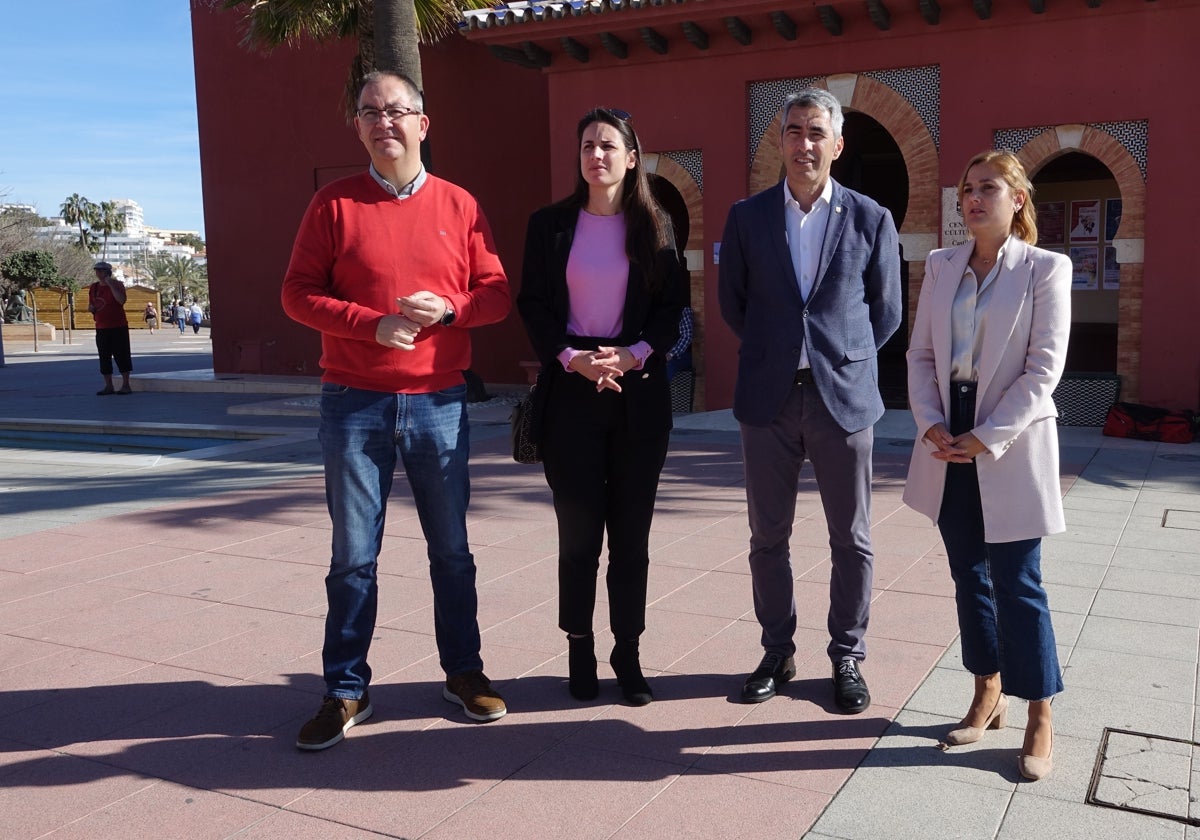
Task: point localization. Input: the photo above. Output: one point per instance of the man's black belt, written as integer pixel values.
(803, 377)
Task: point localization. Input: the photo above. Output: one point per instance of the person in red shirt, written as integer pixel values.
(106, 302)
(393, 266)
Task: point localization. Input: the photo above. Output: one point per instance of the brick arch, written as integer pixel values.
(1130, 237)
(683, 181)
(904, 124)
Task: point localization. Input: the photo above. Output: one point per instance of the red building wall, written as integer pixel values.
(507, 134)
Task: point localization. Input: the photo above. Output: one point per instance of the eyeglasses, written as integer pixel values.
(624, 116)
(376, 115)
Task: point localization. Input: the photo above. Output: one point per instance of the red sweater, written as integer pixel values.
(358, 249)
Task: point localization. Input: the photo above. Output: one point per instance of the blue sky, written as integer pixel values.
(100, 99)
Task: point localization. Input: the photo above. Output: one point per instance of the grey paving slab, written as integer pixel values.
(906, 805)
(1036, 816)
(1139, 638)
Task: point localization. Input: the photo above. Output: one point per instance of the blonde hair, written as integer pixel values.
(1024, 222)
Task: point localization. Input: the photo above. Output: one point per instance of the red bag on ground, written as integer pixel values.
(1145, 422)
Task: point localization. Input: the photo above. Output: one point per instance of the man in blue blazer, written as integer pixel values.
(810, 283)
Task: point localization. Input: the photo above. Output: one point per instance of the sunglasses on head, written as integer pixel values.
(623, 116)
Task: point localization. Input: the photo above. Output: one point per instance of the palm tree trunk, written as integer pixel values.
(396, 38)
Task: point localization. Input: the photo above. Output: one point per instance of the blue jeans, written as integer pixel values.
(1003, 612)
(362, 433)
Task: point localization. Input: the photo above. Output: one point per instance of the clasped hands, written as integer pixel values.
(418, 310)
(954, 449)
(604, 366)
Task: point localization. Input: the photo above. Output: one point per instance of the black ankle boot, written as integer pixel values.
(625, 664)
(581, 660)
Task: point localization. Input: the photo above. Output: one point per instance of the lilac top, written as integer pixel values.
(597, 280)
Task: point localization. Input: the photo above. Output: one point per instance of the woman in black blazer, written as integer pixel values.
(601, 294)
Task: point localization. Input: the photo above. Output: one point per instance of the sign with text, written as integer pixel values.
(954, 231)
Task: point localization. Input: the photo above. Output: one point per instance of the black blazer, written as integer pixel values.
(654, 318)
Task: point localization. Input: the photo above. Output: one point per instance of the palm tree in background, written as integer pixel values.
(388, 31)
(77, 210)
(109, 220)
(181, 277)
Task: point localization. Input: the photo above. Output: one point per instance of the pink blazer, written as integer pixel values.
(1018, 370)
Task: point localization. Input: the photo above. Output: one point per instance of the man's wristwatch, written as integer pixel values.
(447, 318)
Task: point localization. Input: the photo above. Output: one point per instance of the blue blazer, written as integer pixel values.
(854, 307)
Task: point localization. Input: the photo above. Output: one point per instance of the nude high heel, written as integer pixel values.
(998, 719)
(1034, 768)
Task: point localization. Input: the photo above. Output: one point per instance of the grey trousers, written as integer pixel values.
(773, 456)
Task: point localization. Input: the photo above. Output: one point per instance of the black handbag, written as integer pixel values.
(527, 423)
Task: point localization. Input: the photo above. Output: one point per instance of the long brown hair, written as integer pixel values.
(1024, 222)
(647, 225)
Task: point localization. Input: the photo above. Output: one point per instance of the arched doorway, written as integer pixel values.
(873, 164)
(1079, 210)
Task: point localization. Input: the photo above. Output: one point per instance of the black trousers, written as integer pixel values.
(113, 343)
(603, 476)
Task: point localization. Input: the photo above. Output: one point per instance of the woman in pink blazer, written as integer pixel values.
(988, 347)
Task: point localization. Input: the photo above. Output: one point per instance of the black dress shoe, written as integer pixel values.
(774, 670)
(849, 688)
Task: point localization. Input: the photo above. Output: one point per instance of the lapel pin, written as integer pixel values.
(837, 209)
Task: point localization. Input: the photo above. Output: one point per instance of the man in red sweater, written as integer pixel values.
(393, 266)
(106, 302)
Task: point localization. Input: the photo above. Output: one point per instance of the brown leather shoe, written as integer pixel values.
(333, 719)
(473, 691)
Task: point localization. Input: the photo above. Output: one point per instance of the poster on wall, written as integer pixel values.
(1112, 218)
(1052, 223)
(1084, 267)
(1085, 221)
(1112, 269)
(954, 231)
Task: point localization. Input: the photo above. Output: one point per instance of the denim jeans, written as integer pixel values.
(362, 433)
(1003, 612)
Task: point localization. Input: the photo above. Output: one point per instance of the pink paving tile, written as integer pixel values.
(539, 543)
(797, 743)
(267, 650)
(566, 792)
(209, 533)
(102, 567)
(15, 586)
(929, 619)
(495, 561)
(399, 595)
(163, 810)
(711, 593)
(700, 804)
(18, 616)
(55, 790)
(87, 714)
(217, 719)
(731, 654)
(172, 637)
(83, 626)
(45, 549)
(68, 669)
(304, 594)
(491, 530)
(928, 576)
(670, 636)
(423, 777)
(16, 652)
(688, 716)
(689, 521)
(700, 552)
(309, 545)
(535, 629)
(287, 825)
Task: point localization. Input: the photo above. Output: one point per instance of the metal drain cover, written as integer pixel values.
(1145, 774)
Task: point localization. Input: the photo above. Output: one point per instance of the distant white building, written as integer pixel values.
(125, 250)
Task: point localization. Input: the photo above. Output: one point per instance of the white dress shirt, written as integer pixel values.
(805, 234)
